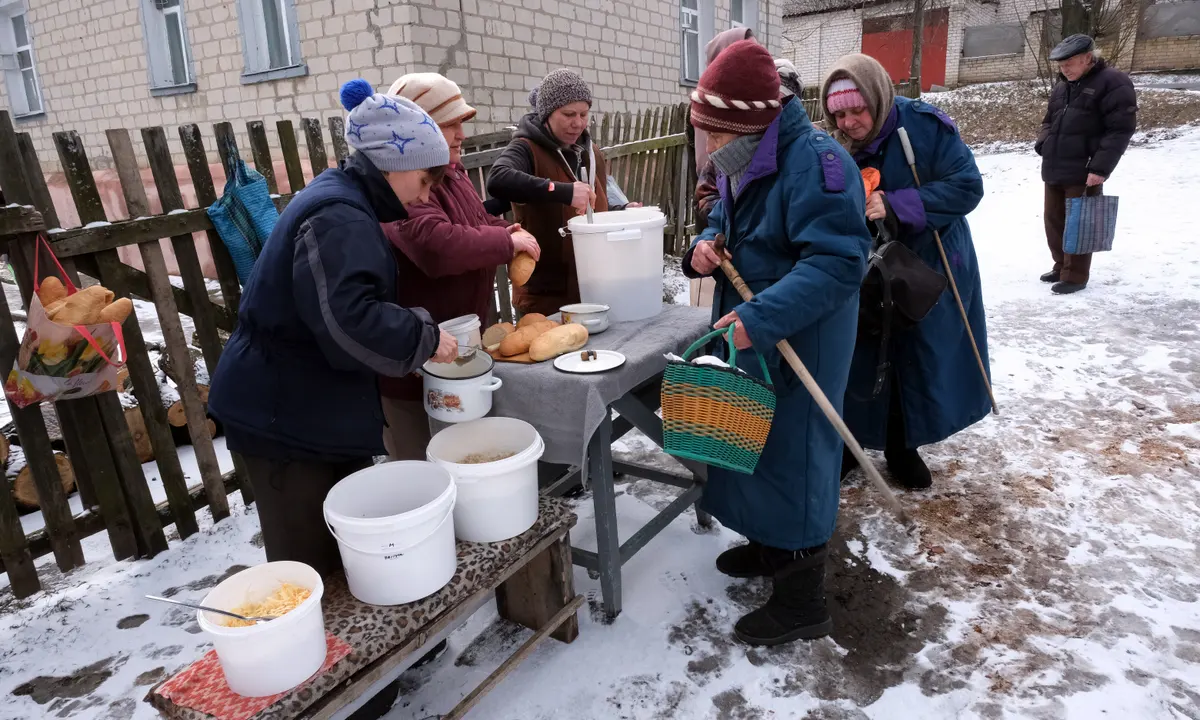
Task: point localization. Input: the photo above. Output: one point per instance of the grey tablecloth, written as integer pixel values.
(567, 408)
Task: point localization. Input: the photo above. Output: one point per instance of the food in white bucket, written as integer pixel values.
(498, 499)
(279, 603)
(268, 657)
(394, 525)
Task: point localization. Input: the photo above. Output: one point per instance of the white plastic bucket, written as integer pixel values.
(465, 330)
(394, 525)
(270, 657)
(619, 261)
(496, 500)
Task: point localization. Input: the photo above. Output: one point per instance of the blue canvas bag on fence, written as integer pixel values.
(244, 216)
(1091, 224)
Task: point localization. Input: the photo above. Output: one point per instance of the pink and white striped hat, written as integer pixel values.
(844, 95)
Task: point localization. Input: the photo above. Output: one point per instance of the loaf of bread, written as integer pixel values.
(117, 311)
(531, 318)
(558, 341)
(519, 342)
(84, 307)
(51, 291)
(521, 268)
(496, 334)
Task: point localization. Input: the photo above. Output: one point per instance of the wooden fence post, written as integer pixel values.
(316, 145)
(262, 154)
(291, 155)
(150, 537)
(163, 169)
(337, 133)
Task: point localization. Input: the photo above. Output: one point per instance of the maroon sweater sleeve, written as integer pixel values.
(442, 248)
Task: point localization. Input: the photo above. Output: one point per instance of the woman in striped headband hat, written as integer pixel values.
(933, 388)
(791, 210)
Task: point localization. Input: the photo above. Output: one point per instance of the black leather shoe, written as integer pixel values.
(796, 609)
(744, 561)
(1050, 277)
(1066, 288)
(909, 469)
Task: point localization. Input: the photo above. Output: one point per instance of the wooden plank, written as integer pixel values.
(558, 621)
(226, 144)
(291, 155)
(141, 371)
(12, 170)
(317, 158)
(483, 158)
(14, 548)
(505, 294)
(20, 220)
(176, 341)
(262, 154)
(540, 590)
(661, 158)
(605, 129)
(92, 455)
(147, 528)
(645, 159)
(31, 426)
(37, 180)
(161, 165)
(337, 134)
(206, 195)
(85, 240)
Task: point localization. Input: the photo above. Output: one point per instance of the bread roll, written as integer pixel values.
(558, 341)
(519, 342)
(521, 268)
(84, 307)
(496, 334)
(51, 291)
(117, 311)
(531, 318)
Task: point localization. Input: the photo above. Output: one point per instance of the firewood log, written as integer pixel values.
(25, 492)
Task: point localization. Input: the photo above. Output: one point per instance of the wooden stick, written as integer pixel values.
(460, 710)
(810, 384)
(962, 310)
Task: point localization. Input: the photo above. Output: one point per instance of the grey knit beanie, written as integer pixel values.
(561, 87)
(393, 132)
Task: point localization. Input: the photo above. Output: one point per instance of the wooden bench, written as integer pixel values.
(530, 576)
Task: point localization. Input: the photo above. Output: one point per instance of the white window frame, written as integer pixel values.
(256, 42)
(689, 25)
(160, 66)
(749, 16)
(14, 74)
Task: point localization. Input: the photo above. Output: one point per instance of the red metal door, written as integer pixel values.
(889, 40)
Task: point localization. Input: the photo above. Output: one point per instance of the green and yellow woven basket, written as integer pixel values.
(716, 415)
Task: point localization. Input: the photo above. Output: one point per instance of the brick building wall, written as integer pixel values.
(1167, 53)
(815, 42)
(92, 61)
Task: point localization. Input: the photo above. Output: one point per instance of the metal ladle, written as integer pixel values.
(208, 609)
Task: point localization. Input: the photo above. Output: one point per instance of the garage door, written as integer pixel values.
(889, 40)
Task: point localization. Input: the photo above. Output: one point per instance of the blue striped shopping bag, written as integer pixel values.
(1091, 224)
(244, 216)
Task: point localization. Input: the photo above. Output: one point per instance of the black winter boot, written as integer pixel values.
(796, 609)
(744, 561)
(1050, 277)
(1066, 288)
(908, 468)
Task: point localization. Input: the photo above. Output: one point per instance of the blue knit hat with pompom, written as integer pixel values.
(393, 132)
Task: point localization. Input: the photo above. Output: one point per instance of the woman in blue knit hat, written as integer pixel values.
(296, 386)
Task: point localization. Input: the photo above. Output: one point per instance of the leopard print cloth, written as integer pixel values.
(374, 631)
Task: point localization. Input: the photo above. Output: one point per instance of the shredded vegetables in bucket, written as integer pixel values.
(279, 603)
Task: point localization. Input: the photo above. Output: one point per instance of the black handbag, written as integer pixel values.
(897, 293)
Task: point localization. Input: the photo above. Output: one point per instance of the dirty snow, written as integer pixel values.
(1056, 573)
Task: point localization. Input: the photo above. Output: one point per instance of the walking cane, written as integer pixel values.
(912, 163)
(810, 384)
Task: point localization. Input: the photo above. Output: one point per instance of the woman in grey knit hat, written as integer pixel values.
(539, 173)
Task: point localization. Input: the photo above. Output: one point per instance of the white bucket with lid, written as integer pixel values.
(394, 525)
(619, 261)
(466, 331)
(270, 657)
(497, 500)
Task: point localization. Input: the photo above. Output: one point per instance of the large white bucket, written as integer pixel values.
(496, 500)
(394, 525)
(270, 657)
(619, 261)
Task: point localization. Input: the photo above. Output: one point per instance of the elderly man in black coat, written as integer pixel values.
(1092, 115)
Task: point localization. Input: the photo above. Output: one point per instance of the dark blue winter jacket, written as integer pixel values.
(799, 239)
(317, 325)
(941, 388)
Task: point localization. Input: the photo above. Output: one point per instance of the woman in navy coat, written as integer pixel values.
(934, 388)
(791, 210)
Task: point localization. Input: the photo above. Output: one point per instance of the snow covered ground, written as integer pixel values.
(1056, 572)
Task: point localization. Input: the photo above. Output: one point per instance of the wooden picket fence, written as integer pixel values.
(649, 155)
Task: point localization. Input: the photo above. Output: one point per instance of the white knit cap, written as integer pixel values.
(436, 94)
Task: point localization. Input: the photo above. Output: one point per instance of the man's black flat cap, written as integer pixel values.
(1072, 46)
